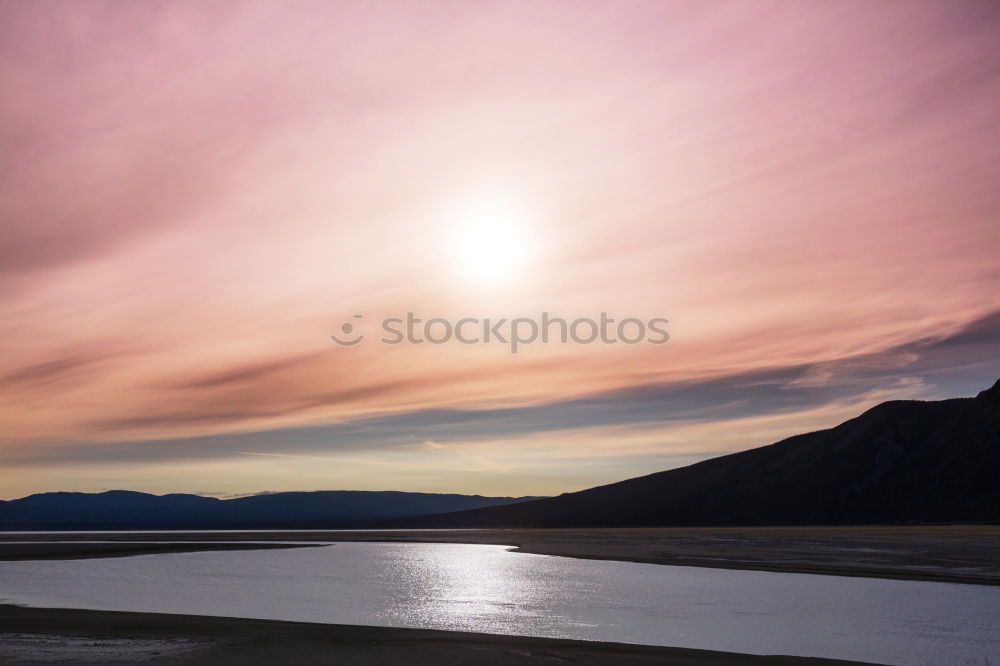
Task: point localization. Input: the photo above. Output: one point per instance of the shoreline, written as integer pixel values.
(195, 639)
(27, 552)
(950, 554)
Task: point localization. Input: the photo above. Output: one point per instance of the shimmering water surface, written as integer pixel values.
(489, 589)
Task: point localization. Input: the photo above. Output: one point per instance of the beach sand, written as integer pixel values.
(44, 635)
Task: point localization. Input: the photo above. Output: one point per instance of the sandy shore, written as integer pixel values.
(958, 554)
(44, 635)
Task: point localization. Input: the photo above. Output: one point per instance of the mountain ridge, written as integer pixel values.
(129, 509)
(899, 461)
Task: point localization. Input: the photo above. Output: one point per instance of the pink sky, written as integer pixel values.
(195, 195)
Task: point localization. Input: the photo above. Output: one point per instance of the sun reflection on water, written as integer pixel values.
(466, 587)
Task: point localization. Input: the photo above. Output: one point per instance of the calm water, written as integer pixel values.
(488, 589)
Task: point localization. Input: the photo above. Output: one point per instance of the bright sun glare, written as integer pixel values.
(493, 241)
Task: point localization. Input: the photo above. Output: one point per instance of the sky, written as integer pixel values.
(194, 196)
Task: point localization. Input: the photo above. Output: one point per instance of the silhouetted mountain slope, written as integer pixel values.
(120, 509)
(901, 461)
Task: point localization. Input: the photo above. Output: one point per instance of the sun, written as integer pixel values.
(492, 238)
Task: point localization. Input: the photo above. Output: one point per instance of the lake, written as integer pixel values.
(490, 589)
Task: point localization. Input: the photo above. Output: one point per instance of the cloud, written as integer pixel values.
(49, 371)
(933, 373)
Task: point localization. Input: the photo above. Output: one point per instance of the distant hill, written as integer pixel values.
(902, 461)
(123, 509)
